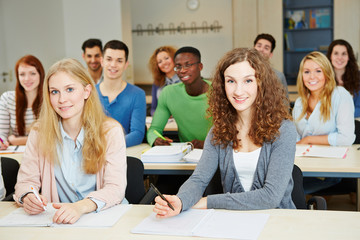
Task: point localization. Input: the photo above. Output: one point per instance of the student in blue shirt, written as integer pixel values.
(122, 101)
(324, 112)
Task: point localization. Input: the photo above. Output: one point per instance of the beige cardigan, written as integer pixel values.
(110, 180)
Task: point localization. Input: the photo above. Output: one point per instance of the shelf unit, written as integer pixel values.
(307, 26)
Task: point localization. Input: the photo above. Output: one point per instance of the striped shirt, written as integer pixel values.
(8, 116)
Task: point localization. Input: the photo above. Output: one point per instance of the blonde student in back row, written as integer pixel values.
(252, 141)
(75, 155)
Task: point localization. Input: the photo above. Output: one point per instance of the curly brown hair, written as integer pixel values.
(351, 77)
(158, 75)
(270, 109)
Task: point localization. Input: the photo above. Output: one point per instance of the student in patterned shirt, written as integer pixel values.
(19, 108)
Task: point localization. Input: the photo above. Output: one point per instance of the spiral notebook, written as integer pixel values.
(177, 152)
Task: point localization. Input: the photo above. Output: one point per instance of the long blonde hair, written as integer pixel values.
(330, 84)
(93, 117)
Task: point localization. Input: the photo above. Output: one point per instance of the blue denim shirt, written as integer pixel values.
(340, 127)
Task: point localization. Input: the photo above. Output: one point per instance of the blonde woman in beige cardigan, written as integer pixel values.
(75, 156)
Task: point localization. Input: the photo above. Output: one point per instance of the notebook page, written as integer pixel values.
(321, 151)
(180, 225)
(19, 218)
(14, 149)
(193, 156)
(232, 224)
(173, 153)
(105, 218)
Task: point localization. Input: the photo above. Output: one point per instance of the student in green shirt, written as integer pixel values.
(186, 101)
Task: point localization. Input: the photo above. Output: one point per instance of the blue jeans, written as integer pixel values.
(314, 184)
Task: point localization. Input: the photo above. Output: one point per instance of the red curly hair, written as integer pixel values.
(271, 106)
(158, 75)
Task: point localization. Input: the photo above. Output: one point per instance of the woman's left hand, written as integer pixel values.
(69, 213)
(201, 204)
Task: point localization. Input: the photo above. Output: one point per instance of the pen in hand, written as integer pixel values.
(37, 196)
(159, 135)
(162, 196)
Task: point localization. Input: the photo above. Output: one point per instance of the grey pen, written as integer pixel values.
(16, 148)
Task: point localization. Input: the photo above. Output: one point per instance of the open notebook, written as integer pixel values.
(14, 149)
(320, 151)
(177, 152)
(206, 223)
(105, 218)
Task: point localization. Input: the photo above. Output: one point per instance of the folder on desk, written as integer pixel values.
(320, 151)
(206, 223)
(177, 152)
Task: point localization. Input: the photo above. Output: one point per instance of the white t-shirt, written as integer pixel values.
(2, 188)
(245, 164)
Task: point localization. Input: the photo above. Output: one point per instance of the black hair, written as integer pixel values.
(117, 45)
(266, 37)
(188, 49)
(90, 43)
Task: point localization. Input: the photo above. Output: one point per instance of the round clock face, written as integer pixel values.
(192, 4)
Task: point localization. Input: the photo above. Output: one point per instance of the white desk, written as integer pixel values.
(282, 225)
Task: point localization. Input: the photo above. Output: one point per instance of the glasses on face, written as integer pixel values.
(185, 67)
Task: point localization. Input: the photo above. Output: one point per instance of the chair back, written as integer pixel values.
(9, 171)
(135, 188)
(298, 194)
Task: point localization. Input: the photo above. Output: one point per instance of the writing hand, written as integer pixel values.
(32, 205)
(162, 209)
(162, 142)
(4, 146)
(198, 143)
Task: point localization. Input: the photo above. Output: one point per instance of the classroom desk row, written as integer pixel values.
(282, 225)
(349, 167)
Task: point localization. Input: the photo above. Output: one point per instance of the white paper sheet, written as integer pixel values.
(320, 151)
(206, 223)
(105, 218)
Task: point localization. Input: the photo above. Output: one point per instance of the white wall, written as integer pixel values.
(85, 19)
(211, 45)
(32, 27)
(53, 29)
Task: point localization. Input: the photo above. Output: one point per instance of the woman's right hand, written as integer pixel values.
(162, 142)
(32, 205)
(162, 209)
(4, 146)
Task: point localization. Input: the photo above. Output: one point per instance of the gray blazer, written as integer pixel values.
(272, 184)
